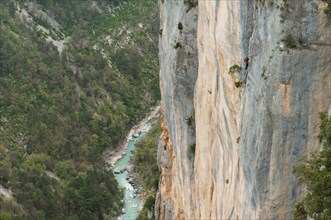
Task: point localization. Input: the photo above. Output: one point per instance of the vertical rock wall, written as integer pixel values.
(218, 178)
(275, 113)
(179, 63)
(288, 85)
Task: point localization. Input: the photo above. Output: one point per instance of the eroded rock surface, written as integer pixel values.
(247, 140)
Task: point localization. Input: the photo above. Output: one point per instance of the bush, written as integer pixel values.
(235, 68)
(326, 1)
(301, 41)
(189, 120)
(127, 61)
(178, 45)
(316, 173)
(180, 26)
(190, 4)
(327, 9)
(300, 212)
(289, 41)
(149, 204)
(5, 216)
(238, 84)
(191, 149)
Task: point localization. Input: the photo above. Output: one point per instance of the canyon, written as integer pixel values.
(231, 139)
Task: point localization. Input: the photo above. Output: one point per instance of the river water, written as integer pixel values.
(132, 203)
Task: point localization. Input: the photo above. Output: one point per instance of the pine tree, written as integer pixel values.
(316, 174)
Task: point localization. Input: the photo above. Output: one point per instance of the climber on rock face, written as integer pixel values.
(246, 60)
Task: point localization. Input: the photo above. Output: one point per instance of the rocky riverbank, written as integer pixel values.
(112, 156)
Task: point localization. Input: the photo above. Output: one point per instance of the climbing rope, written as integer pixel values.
(245, 79)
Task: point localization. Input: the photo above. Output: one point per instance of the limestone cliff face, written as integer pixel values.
(179, 64)
(275, 113)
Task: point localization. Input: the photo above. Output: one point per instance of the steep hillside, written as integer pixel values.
(229, 152)
(73, 78)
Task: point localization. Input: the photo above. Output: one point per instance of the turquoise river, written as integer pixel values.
(132, 202)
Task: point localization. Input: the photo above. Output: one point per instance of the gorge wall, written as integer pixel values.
(227, 152)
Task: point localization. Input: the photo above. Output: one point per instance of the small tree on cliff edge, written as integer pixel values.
(316, 174)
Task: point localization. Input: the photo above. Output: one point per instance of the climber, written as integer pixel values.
(246, 60)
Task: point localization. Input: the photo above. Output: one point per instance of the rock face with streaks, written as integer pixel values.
(228, 152)
(178, 55)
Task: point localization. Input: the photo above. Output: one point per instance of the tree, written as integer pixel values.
(316, 174)
(5, 216)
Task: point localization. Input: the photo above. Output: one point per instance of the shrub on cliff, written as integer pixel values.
(177, 45)
(326, 1)
(316, 174)
(190, 4)
(289, 41)
(191, 149)
(327, 9)
(238, 84)
(180, 26)
(189, 120)
(235, 68)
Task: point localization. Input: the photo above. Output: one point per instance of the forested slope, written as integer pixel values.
(61, 107)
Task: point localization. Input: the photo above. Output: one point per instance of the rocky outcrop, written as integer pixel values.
(228, 152)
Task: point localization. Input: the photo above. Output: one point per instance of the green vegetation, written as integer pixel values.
(180, 26)
(286, 5)
(284, 9)
(264, 69)
(149, 204)
(301, 41)
(178, 45)
(238, 140)
(316, 174)
(327, 9)
(191, 149)
(189, 120)
(190, 4)
(261, 1)
(60, 112)
(67, 12)
(289, 41)
(234, 69)
(5, 216)
(145, 165)
(238, 84)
